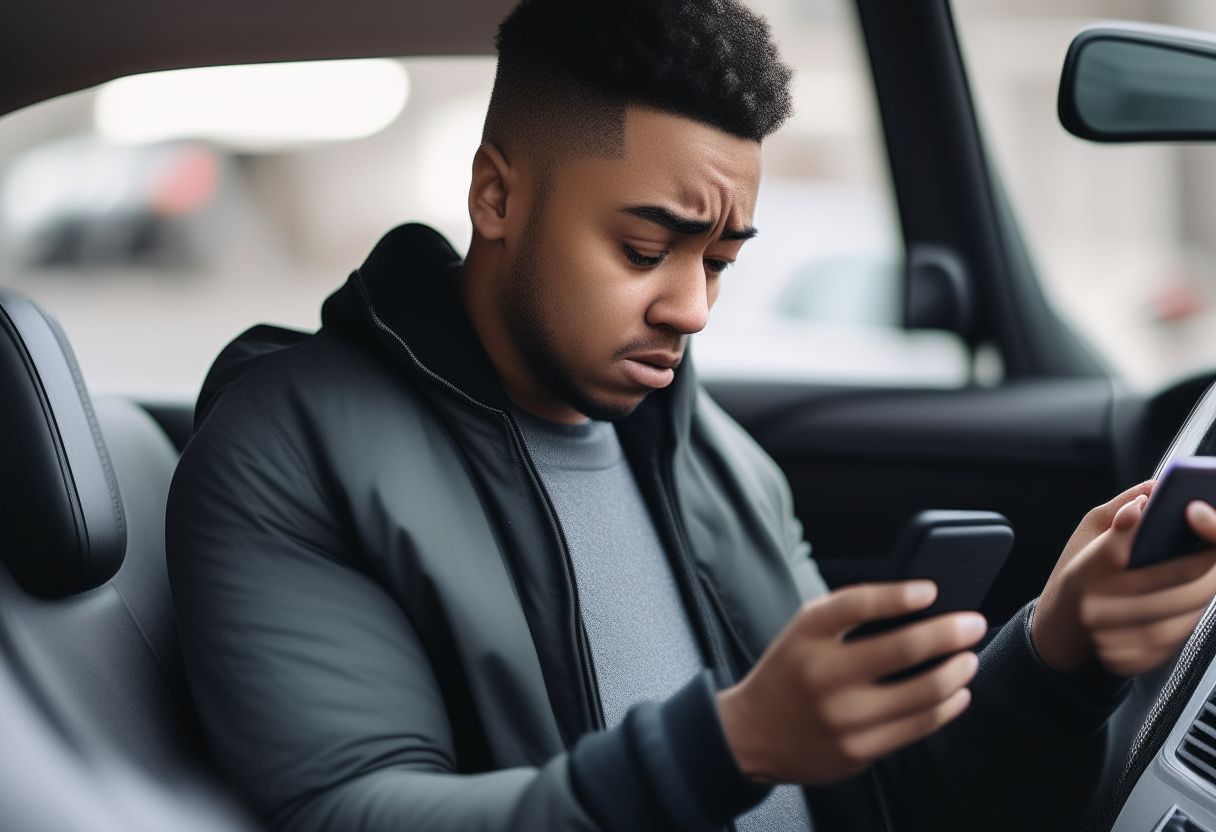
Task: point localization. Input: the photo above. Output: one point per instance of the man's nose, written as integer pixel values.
(683, 302)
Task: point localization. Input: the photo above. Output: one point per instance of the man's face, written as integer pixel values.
(622, 259)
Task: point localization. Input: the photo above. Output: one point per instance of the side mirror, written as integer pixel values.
(1137, 82)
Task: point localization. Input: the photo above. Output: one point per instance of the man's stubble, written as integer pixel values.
(525, 303)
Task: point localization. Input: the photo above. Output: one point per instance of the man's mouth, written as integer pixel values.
(655, 369)
(659, 359)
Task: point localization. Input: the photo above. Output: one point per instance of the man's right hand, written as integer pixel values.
(812, 710)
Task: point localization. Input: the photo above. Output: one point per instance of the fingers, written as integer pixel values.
(872, 658)
(864, 707)
(1144, 489)
(1134, 650)
(1131, 619)
(1104, 515)
(842, 610)
(885, 738)
(1137, 582)
(1202, 519)
(812, 710)
(1110, 551)
(1186, 586)
(1098, 520)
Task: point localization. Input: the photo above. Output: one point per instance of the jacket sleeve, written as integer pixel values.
(1025, 755)
(313, 689)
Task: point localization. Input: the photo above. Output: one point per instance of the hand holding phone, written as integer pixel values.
(1164, 533)
(960, 551)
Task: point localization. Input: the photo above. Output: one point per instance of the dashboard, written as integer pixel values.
(1176, 791)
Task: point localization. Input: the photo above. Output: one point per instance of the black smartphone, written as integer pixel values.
(961, 551)
(1164, 534)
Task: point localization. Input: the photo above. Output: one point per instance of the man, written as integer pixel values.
(480, 554)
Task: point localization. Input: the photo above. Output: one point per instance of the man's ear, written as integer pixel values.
(490, 192)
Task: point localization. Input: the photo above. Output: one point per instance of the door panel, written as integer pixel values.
(861, 462)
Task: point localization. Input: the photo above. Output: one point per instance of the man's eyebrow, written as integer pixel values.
(740, 234)
(683, 225)
(670, 221)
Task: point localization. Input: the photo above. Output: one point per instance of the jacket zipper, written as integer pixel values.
(590, 682)
(584, 648)
(684, 555)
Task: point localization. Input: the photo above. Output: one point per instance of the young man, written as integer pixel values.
(481, 554)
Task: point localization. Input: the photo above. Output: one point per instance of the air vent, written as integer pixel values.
(1197, 750)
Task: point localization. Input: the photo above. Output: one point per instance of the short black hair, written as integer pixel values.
(567, 69)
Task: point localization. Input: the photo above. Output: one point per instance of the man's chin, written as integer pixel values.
(611, 399)
(606, 408)
(607, 411)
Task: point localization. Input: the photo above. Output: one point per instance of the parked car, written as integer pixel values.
(80, 201)
(90, 681)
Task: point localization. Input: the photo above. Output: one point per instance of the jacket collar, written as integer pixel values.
(405, 298)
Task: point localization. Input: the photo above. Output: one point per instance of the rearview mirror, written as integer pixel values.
(1136, 82)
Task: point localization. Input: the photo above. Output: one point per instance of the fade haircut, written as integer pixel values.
(567, 70)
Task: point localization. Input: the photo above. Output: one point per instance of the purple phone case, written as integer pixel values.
(1164, 533)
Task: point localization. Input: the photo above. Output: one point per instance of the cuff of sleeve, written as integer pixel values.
(667, 766)
(1093, 683)
(1075, 703)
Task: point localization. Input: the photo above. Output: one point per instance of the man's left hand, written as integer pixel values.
(1131, 620)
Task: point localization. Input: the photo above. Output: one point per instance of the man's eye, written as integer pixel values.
(716, 266)
(638, 259)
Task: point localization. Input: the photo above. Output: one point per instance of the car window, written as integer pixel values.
(1124, 235)
(157, 216)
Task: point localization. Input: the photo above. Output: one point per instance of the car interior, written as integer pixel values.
(96, 726)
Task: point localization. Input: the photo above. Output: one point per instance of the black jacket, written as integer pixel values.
(381, 628)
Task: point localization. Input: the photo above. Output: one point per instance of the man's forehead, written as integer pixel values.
(689, 149)
(689, 170)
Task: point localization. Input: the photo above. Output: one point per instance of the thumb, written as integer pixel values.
(1114, 546)
(1201, 517)
(1128, 516)
(842, 610)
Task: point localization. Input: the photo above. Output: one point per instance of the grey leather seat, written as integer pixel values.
(92, 691)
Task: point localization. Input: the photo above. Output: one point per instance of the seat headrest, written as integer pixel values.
(62, 528)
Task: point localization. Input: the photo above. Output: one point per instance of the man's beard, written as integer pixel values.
(524, 301)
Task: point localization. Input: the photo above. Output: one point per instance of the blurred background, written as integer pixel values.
(158, 216)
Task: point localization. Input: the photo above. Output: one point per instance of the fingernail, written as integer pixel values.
(972, 626)
(920, 593)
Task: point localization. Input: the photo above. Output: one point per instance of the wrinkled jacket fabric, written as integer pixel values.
(381, 628)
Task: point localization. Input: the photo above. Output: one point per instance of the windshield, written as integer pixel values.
(1124, 235)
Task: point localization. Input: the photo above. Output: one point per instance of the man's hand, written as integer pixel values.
(1131, 620)
(812, 710)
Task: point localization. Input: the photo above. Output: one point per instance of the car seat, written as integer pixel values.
(88, 640)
